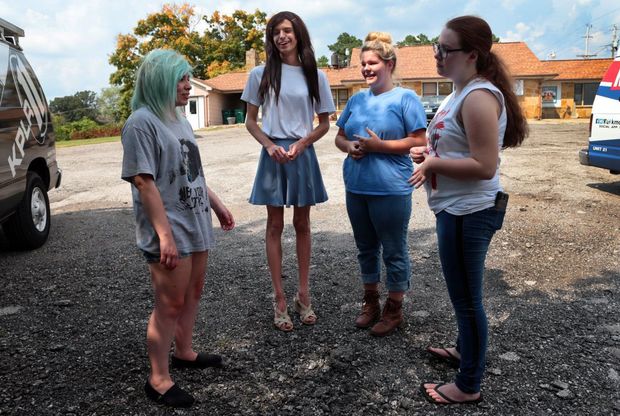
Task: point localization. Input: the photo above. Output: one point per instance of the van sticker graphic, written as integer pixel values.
(35, 113)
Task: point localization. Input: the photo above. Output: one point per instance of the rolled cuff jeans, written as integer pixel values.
(381, 222)
(463, 244)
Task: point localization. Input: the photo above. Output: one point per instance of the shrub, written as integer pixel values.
(84, 129)
(99, 131)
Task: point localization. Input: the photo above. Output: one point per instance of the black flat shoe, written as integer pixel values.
(203, 360)
(173, 397)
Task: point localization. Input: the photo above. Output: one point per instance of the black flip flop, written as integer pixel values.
(450, 358)
(449, 401)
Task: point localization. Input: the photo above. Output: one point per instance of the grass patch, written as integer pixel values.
(82, 142)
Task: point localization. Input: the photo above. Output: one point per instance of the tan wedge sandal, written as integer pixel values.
(306, 314)
(281, 320)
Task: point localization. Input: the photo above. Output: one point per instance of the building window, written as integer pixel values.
(429, 88)
(585, 93)
(436, 88)
(518, 87)
(340, 97)
(192, 107)
(445, 88)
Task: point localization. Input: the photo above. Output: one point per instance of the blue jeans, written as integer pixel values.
(463, 244)
(381, 222)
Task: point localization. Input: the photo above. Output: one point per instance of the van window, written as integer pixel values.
(585, 93)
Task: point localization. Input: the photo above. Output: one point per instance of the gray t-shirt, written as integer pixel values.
(168, 152)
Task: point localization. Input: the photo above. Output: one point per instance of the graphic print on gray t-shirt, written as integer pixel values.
(191, 166)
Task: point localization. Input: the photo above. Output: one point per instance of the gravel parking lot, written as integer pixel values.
(73, 313)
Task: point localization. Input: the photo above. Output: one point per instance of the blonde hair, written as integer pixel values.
(381, 44)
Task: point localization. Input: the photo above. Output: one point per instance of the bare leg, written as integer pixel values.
(301, 222)
(273, 242)
(170, 287)
(185, 325)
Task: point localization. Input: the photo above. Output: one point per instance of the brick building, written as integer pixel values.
(545, 89)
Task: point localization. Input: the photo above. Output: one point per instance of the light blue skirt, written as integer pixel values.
(296, 183)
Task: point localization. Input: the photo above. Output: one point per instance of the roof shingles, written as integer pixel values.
(418, 63)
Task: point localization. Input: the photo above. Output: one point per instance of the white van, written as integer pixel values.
(604, 147)
(28, 167)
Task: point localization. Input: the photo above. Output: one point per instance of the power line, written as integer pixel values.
(569, 40)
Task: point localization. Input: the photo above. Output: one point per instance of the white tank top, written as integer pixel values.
(447, 140)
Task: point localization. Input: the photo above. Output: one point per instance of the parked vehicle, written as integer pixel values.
(431, 103)
(604, 144)
(28, 167)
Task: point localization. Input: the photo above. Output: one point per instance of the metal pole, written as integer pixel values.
(614, 42)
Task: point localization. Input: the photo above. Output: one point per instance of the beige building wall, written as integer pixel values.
(530, 101)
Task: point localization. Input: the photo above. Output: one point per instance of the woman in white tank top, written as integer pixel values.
(460, 170)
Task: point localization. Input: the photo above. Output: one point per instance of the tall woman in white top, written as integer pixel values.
(291, 90)
(460, 169)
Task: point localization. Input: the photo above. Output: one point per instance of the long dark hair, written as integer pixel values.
(272, 76)
(475, 35)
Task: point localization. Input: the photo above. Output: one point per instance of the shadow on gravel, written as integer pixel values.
(610, 187)
(73, 318)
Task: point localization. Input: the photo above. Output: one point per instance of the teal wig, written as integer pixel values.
(156, 83)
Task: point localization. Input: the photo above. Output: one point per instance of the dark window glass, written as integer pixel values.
(429, 88)
(445, 88)
(585, 93)
(578, 94)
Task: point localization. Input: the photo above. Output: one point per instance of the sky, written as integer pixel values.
(68, 42)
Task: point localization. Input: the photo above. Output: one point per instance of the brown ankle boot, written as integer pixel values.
(371, 309)
(391, 319)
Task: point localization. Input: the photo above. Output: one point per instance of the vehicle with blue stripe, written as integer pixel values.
(604, 144)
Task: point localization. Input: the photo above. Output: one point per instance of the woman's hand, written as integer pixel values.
(277, 153)
(418, 153)
(422, 172)
(168, 256)
(225, 217)
(369, 144)
(296, 149)
(354, 150)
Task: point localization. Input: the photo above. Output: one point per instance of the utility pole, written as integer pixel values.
(614, 42)
(588, 37)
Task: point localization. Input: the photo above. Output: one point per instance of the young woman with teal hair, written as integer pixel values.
(172, 206)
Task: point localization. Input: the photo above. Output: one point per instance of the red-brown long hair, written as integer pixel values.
(475, 35)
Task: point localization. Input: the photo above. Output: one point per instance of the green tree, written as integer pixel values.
(228, 37)
(82, 104)
(412, 40)
(108, 103)
(221, 47)
(344, 45)
(322, 62)
(169, 28)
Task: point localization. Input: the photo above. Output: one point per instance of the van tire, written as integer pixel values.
(29, 227)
